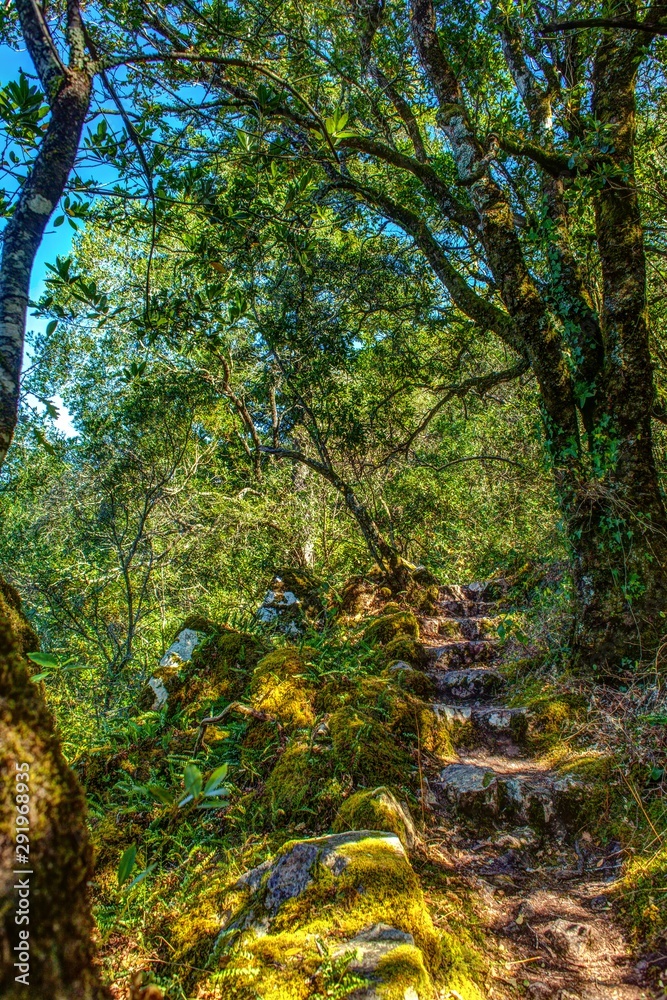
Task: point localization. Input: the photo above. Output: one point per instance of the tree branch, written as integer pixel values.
(480, 383)
(434, 184)
(404, 110)
(622, 23)
(485, 314)
(40, 45)
(237, 706)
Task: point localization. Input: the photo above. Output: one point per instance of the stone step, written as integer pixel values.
(469, 628)
(487, 720)
(460, 653)
(466, 609)
(493, 790)
(473, 682)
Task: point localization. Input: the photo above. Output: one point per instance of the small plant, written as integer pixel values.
(195, 792)
(508, 627)
(333, 979)
(52, 664)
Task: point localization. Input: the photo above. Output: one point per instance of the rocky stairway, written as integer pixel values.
(501, 818)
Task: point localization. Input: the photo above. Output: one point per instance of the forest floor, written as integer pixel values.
(535, 865)
(543, 898)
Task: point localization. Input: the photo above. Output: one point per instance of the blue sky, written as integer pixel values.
(56, 241)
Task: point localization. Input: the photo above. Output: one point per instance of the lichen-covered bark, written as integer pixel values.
(618, 524)
(60, 923)
(68, 91)
(590, 368)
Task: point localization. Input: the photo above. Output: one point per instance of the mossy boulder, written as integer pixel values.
(303, 787)
(280, 687)
(333, 895)
(292, 600)
(404, 647)
(584, 787)
(359, 595)
(406, 717)
(367, 750)
(378, 809)
(408, 679)
(386, 627)
(218, 670)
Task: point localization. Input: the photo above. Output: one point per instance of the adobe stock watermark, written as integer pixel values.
(23, 871)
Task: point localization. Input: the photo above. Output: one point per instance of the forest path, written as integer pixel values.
(498, 826)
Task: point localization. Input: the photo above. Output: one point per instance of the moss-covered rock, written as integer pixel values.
(408, 679)
(292, 601)
(324, 896)
(386, 627)
(367, 750)
(378, 809)
(303, 787)
(280, 686)
(218, 671)
(404, 647)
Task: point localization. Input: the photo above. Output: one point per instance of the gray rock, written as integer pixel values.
(568, 938)
(498, 720)
(471, 683)
(372, 945)
(480, 792)
(461, 653)
(181, 650)
(282, 609)
(472, 789)
(156, 684)
(179, 653)
(453, 715)
(291, 872)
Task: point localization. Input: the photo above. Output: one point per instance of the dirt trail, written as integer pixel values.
(500, 821)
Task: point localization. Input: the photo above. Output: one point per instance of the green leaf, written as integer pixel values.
(45, 660)
(126, 864)
(140, 877)
(215, 779)
(160, 794)
(58, 221)
(193, 780)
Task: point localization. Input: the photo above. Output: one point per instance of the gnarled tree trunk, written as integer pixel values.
(45, 851)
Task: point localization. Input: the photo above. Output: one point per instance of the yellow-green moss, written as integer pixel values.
(218, 672)
(401, 969)
(410, 719)
(387, 627)
(198, 623)
(367, 750)
(377, 886)
(378, 809)
(302, 786)
(408, 678)
(641, 899)
(403, 647)
(280, 688)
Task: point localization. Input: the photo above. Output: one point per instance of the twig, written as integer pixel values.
(237, 706)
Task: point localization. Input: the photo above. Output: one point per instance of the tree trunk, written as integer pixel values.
(617, 528)
(50, 883)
